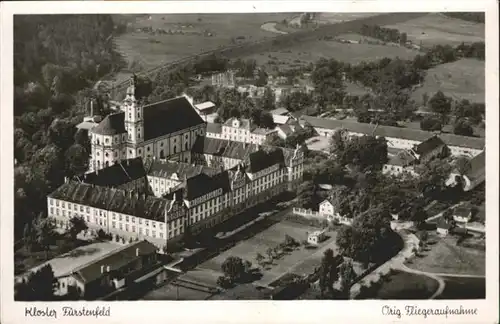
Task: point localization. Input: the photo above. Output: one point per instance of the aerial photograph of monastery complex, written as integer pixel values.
(263, 156)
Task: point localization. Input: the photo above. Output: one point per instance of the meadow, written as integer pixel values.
(311, 51)
(435, 28)
(188, 34)
(463, 79)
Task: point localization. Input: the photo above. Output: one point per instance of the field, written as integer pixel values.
(189, 34)
(336, 17)
(403, 285)
(311, 51)
(433, 29)
(446, 257)
(463, 79)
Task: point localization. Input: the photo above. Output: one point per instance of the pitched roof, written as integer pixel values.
(205, 105)
(263, 131)
(214, 128)
(403, 158)
(463, 141)
(286, 129)
(351, 126)
(221, 147)
(244, 123)
(477, 169)
(112, 124)
(462, 211)
(394, 132)
(429, 145)
(112, 199)
(201, 185)
(117, 174)
(169, 116)
(265, 158)
(115, 260)
(165, 169)
(279, 119)
(279, 111)
(238, 150)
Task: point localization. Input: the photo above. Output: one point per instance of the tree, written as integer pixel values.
(431, 124)
(463, 127)
(77, 225)
(347, 275)
(266, 120)
(366, 152)
(261, 79)
(338, 142)
(441, 104)
(224, 282)
(290, 241)
(269, 253)
(259, 258)
(328, 271)
(268, 100)
(39, 286)
(233, 268)
(45, 234)
(77, 160)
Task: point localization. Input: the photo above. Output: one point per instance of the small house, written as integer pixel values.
(316, 237)
(462, 214)
(443, 227)
(433, 147)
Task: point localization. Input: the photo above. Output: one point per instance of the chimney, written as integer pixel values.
(137, 252)
(102, 268)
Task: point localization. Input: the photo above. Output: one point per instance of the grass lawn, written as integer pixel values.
(435, 28)
(446, 257)
(463, 288)
(311, 51)
(190, 34)
(463, 79)
(402, 285)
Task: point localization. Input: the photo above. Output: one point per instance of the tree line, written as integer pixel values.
(56, 61)
(385, 34)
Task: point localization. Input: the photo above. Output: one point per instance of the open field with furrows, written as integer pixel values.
(463, 79)
(435, 28)
(336, 17)
(447, 257)
(311, 51)
(189, 34)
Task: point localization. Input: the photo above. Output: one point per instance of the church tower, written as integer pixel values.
(133, 115)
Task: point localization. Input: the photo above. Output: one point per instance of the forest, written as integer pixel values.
(57, 60)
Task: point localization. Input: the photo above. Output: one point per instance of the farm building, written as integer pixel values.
(316, 237)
